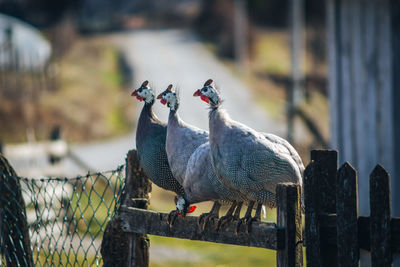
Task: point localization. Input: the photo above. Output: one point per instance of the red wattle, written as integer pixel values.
(163, 101)
(139, 98)
(205, 98)
(191, 209)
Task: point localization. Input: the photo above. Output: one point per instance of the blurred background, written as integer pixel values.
(321, 74)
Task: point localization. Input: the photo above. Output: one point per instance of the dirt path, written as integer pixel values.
(177, 57)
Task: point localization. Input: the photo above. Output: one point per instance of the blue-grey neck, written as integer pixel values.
(147, 118)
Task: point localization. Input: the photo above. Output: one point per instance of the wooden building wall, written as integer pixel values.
(363, 45)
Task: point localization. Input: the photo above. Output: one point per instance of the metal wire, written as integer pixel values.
(66, 218)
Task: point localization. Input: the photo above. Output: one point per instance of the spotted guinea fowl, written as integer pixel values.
(202, 184)
(246, 160)
(151, 135)
(182, 139)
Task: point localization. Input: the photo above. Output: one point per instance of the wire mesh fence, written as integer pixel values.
(65, 217)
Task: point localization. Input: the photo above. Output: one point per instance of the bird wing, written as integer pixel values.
(284, 146)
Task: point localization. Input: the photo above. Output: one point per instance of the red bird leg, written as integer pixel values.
(228, 216)
(256, 218)
(246, 217)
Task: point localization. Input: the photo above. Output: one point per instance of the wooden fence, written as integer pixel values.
(334, 233)
(125, 242)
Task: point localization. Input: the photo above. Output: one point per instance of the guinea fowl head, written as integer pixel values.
(208, 93)
(183, 206)
(144, 93)
(170, 98)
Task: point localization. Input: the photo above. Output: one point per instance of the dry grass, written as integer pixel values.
(90, 102)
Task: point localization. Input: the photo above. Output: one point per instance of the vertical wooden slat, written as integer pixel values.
(332, 75)
(347, 211)
(289, 217)
(119, 248)
(312, 211)
(361, 97)
(381, 253)
(326, 168)
(385, 89)
(325, 163)
(137, 186)
(346, 82)
(395, 35)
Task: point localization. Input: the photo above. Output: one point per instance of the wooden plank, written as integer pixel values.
(118, 248)
(325, 170)
(263, 234)
(347, 211)
(332, 75)
(289, 217)
(395, 35)
(384, 113)
(346, 83)
(312, 210)
(14, 227)
(380, 217)
(137, 186)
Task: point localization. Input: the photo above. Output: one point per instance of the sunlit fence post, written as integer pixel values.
(128, 249)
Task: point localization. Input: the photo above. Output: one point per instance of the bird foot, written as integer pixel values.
(241, 221)
(206, 218)
(224, 220)
(250, 222)
(172, 217)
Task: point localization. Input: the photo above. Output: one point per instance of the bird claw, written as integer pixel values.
(249, 224)
(208, 217)
(224, 220)
(172, 217)
(201, 217)
(241, 221)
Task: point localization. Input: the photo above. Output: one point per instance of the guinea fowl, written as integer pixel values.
(202, 184)
(151, 135)
(248, 161)
(182, 139)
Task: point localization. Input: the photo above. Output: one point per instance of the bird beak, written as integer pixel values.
(134, 93)
(197, 93)
(162, 100)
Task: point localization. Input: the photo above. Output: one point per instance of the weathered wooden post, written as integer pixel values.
(14, 227)
(380, 228)
(128, 249)
(289, 217)
(347, 216)
(320, 199)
